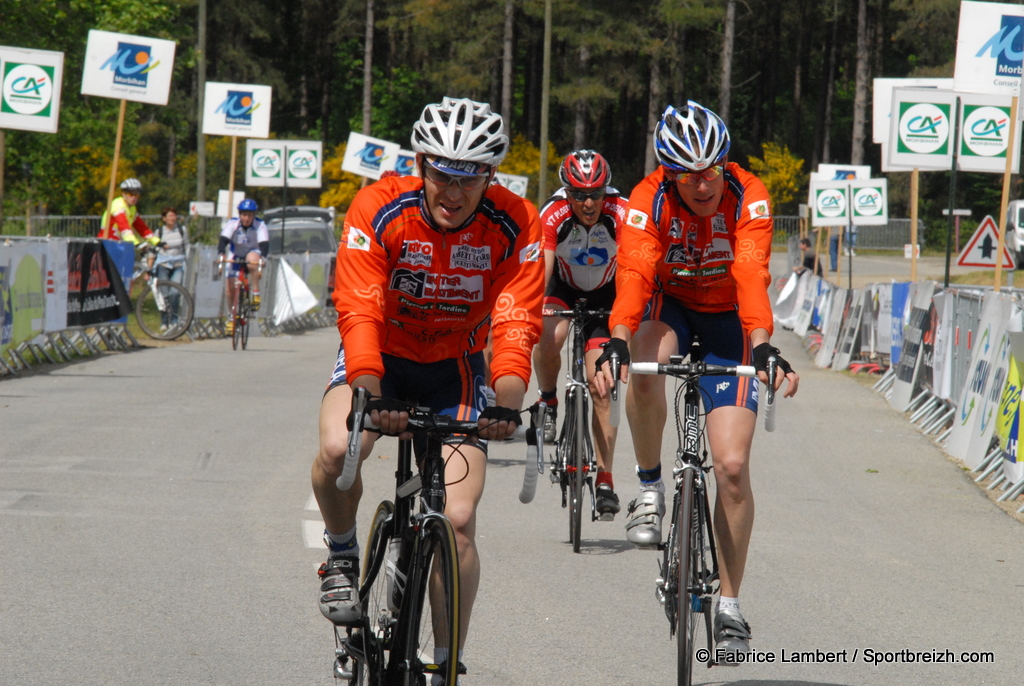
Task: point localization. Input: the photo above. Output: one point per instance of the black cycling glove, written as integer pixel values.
(381, 405)
(500, 414)
(615, 346)
(761, 354)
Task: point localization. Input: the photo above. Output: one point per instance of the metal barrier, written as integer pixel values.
(201, 229)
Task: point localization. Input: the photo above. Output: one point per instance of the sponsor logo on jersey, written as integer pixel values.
(678, 254)
(416, 253)
(718, 225)
(357, 240)
(471, 257)
(675, 228)
(636, 219)
(419, 284)
(589, 257)
(759, 210)
(530, 253)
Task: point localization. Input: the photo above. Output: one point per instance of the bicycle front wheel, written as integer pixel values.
(245, 308)
(572, 450)
(430, 611)
(166, 313)
(684, 573)
(370, 649)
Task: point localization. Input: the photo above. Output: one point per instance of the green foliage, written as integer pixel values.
(782, 174)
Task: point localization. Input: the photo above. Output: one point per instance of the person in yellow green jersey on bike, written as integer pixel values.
(121, 221)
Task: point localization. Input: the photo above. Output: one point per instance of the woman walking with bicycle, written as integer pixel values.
(427, 267)
(582, 225)
(694, 261)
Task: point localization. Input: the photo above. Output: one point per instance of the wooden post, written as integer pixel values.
(113, 167)
(915, 177)
(231, 180)
(1010, 143)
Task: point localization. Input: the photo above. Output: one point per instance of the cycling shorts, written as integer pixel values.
(722, 341)
(235, 267)
(562, 296)
(453, 387)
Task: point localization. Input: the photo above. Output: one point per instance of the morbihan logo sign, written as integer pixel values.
(1006, 46)
(923, 128)
(131, 64)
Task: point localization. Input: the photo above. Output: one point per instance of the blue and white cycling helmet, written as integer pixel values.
(248, 205)
(690, 139)
(462, 131)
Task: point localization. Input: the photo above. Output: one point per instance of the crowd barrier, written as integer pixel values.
(951, 359)
(64, 298)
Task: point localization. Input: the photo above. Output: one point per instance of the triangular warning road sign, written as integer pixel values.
(981, 250)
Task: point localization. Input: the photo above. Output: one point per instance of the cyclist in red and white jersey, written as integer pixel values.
(582, 225)
(427, 267)
(694, 262)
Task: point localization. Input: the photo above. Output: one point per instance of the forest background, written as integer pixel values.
(792, 78)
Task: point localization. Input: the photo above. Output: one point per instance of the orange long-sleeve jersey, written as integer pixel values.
(709, 264)
(405, 288)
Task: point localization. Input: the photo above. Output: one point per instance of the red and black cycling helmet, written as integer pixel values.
(584, 169)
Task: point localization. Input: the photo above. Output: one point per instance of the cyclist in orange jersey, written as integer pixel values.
(427, 267)
(694, 262)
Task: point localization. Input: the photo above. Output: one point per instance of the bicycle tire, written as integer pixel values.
(438, 561)
(685, 618)
(246, 309)
(379, 627)
(149, 316)
(573, 472)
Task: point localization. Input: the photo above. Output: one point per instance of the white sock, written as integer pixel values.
(658, 486)
(345, 543)
(440, 655)
(728, 605)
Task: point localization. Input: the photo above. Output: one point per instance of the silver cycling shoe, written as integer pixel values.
(643, 526)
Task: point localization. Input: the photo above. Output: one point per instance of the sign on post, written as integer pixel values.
(869, 200)
(30, 82)
(830, 205)
(983, 248)
(368, 156)
(278, 163)
(126, 67)
(236, 109)
(516, 184)
(988, 48)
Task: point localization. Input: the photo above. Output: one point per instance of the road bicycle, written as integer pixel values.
(241, 308)
(163, 308)
(574, 463)
(394, 642)
(689, 566)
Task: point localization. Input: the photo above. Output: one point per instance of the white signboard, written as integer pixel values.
(830, 205)
(841, 172)
(516, 184)
(225, 208)
(989, 48)
(985, 134)
(202, 208)
(881, 105)
(236, 109)
(126, 67)
(869, 202)
(30, 83)
(921, 133)
(405, 163)
(368, 156)
(296, 164)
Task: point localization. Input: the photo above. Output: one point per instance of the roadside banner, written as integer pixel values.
(236, 109)
(921, 133)
(368, 156)
(988, 48)
(1010, 410)
(126, 67)
(30, 83)
(283, 163)
(292, 296)
(56, 283)
(908, 368)
(96, 292)
(23, 296)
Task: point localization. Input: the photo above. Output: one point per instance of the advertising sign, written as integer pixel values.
(368, 156)
(405, 163)
(881, 103)
(296, 164)
(829, 203)
(985, 134)
(989, 48)
(236, 109)
(126, 67)
(516, 184)
(30, 83)
(921, 133)
(869, 202)
(841, 172)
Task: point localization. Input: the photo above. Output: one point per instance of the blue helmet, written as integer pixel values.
(248, 205)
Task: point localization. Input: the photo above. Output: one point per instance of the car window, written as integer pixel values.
(292, 239)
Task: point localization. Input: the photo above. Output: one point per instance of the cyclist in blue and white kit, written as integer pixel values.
(247, 237)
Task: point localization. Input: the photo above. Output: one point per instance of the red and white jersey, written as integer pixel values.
(585, 257)
(405, 288)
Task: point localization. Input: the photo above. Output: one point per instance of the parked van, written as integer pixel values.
(1015, 231)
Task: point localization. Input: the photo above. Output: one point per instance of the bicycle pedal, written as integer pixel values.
(606, 517)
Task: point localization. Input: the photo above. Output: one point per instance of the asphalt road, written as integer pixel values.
(156, 528)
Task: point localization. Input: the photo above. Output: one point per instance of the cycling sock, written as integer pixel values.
(728, 605)
(649, 476)
(342, 543)
(604, 477)
(549, 397)
(440, 655)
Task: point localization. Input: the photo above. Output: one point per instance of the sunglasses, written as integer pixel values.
(466, 183)
(583, 196)
(693, 178)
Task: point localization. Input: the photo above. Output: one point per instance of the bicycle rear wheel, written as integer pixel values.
(246, 317)
(684, 572)
(173, 319)
(369, 649)
(430, 620)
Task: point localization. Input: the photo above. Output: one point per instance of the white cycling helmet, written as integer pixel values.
(690, 139)
(131, 185)
(460, 131)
